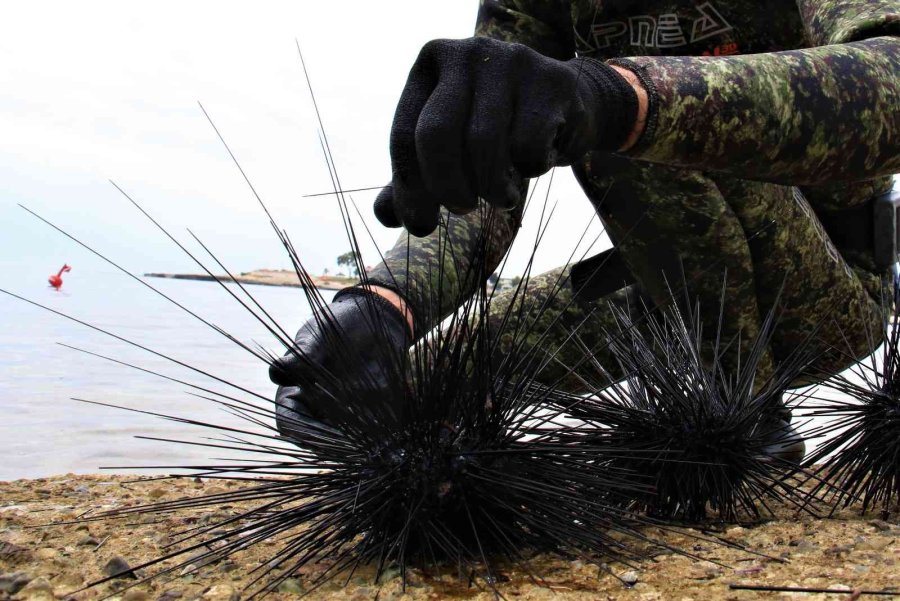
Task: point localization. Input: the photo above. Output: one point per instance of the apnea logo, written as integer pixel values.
(664, 31)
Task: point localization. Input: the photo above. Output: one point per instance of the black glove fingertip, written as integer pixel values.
(384, 208)
(278, 371)
(506, 192)
(423, 223)
(513, 195)
(290, 370)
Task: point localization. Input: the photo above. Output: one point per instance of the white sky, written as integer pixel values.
(93, 91)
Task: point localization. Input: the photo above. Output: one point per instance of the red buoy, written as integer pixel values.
(56, 280)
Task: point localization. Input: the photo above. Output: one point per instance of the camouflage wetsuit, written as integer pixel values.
(709, 182)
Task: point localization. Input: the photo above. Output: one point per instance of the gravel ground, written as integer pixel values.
(848, 551)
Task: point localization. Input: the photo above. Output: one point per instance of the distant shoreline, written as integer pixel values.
(264, 277)
(288, 278)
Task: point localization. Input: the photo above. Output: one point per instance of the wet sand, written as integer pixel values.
(847, 551)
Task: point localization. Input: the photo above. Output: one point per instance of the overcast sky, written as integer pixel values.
(98, 91)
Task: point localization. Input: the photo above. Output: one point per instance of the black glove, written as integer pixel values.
(348, 351)
(478, 115)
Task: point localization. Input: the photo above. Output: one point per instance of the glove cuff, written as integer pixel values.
(384, 306)
(614, 99)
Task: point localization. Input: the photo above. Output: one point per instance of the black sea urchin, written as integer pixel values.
(462, 462)
(859, 461)
(704, 438)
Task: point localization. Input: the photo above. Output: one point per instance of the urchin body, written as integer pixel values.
(859, 460)
(702, 439)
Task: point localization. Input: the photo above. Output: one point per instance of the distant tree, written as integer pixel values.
(325, 271)
(516, 281)
(348, 259)
(492, 280)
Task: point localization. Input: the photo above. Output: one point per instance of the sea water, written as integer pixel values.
(44, 432)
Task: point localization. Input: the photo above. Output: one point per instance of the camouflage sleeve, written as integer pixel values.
(436, 273)
(807, 116)
(840, 21)
(543, 25)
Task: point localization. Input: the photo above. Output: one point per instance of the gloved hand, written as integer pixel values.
(479, 115)
(349, 350)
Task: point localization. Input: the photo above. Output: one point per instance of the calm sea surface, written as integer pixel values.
(44, 432)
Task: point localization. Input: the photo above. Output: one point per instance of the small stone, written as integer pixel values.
(87, 541)
(704, 573)
(841, 587)
(39, 588)
(162, 539)
(13, 553)
(493, 578)
(838, 550)
(753, 570)
(802, 545)
(71, 578)
(13, 582)
(629, 579)
(203, 558)
(228, 566)
(220, 592)
(82, 490)
(134, 594)
(291, 585)
(881, 525)
(170, 595)
(875, 543)
(117, 567)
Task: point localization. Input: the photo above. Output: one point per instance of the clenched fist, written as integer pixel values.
(352, 345)
(479, 115)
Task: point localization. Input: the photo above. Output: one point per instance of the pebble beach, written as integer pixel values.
(50, 549)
